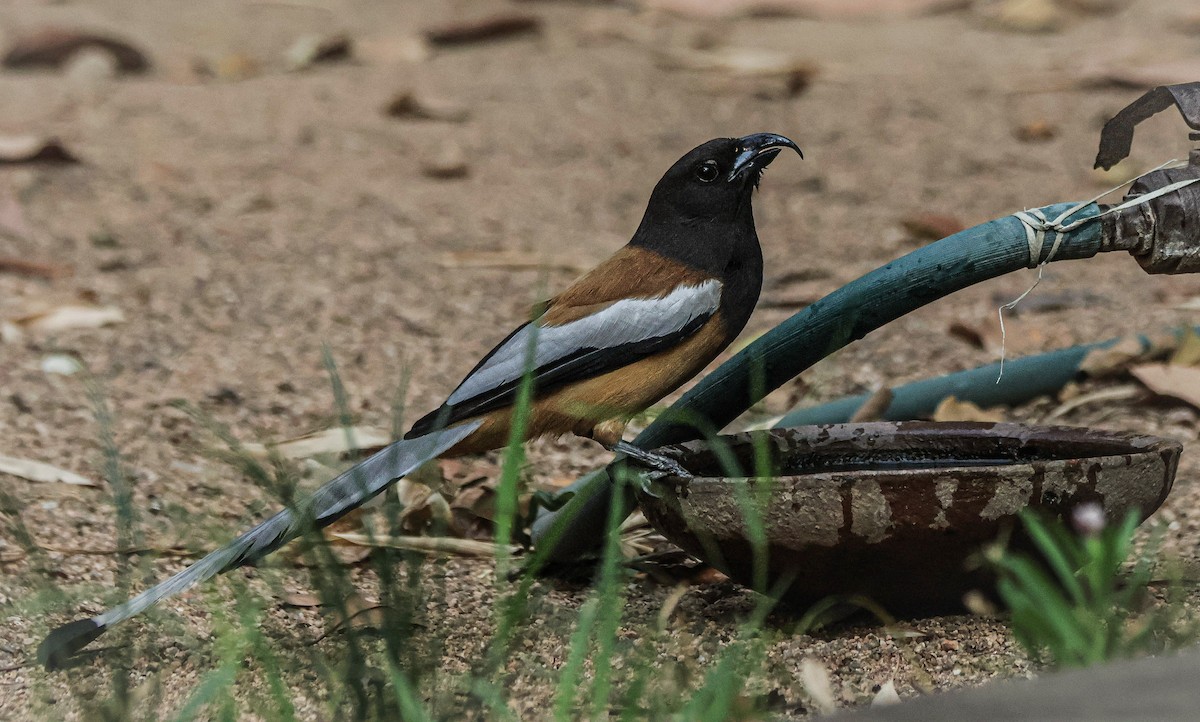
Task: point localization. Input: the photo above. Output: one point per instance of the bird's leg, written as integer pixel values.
(608, 434)
(658, 462)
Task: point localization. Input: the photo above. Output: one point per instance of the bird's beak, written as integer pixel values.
(756, 152)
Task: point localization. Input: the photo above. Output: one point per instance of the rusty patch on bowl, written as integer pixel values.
(893, 510)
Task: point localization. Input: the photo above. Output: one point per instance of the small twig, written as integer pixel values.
(671, 603)
(491, 28)
(37, 269)
(1116, 393)
(161, 551)
(428, 544)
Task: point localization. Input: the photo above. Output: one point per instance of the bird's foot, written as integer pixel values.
(660, 463)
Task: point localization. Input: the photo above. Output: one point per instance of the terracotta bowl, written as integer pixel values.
(893, 510)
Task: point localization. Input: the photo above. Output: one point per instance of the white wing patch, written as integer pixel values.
(630, 320)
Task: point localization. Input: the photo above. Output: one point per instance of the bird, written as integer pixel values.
(621, 337)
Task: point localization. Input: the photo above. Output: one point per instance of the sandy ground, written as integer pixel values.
(240, 224)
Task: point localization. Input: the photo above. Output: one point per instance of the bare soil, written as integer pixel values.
(243, 224)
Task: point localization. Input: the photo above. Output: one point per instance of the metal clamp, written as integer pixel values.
(1163, 231)
(1117, 136)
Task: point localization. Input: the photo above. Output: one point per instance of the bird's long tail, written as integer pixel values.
(344, 493)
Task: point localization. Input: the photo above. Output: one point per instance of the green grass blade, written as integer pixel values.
(1055, 553)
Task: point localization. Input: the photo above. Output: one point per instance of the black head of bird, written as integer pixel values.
(713, 181)
(700, 211)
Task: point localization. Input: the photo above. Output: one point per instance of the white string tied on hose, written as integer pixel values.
(1036, 226)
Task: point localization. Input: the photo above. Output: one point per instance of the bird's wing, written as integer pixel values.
(579, 336)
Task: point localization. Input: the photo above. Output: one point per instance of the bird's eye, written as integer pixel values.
(707, 171)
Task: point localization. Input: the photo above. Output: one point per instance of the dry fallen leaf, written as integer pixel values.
(343, 553)
(312, 49)
(449, 163)
(473, 509)
(91, 67)
(977, 603)
(740, 61)
(1187, 353)
(458, 473)
(556, 483)
(1036, 131)
(52, 47)
(328, 441)
(952, 409)
(41, 472)
(60, 363)
(967, 333)
(360, 614)
(637, 537)
(409, 106)
(816, 683)
(430, 475)
(638, 542)
(33, 149)
(793, 84)
(235, 66)
(931, 226)
(65, 318)
(1114, 359)
(1179, 382)
(350, 554)
(1021, 336)
(886, 695)
(301, 599)
(496, 27)
(1026, 16)
(786, 84)
(412, 494)
(422, 507)
(304, 554)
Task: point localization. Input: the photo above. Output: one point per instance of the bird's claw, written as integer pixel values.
(653, 460)
(648, 480)
(660, 466)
